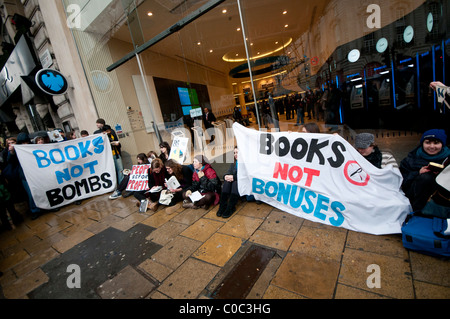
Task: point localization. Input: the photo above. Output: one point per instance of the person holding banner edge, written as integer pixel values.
(116, 151)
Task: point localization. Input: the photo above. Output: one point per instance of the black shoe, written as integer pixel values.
(223, 204)
(231, 207)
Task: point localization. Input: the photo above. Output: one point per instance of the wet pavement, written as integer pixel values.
(258, 253)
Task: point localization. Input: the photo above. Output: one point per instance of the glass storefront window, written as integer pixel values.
(359, 63)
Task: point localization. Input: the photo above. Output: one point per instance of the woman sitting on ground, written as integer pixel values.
(230, 194)
(419, 179)
(365, 145)
(206, 182)
(141, 159)
(157, 175)
(183, 175)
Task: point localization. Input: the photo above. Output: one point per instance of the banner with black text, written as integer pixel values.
(322, 178)
(61, 173)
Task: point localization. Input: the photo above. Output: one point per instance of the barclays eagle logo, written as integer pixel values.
(51, 82)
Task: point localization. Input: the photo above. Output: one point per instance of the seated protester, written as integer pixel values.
(157, 175)
(419, 181)
(206, 182)
(184, 176)
(141, 160)
(365, 145)
(230, 194)
(151, 156)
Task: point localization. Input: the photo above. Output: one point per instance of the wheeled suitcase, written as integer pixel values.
(426, 234)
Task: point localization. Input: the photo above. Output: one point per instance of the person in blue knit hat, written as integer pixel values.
(419, 179)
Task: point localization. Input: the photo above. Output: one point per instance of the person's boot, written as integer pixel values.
(6, 225)
(231, 207)
(223, 204)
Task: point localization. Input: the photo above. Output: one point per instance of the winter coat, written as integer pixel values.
(209, 182)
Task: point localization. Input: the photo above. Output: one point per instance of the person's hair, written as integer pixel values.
(11, 139)
(166, 145)
(157, 163)
(201, 159)
(176, 167)
(84, 132)
(142, 157)
(312, 127)
(101, 121)
(38, 138)
(149, 154)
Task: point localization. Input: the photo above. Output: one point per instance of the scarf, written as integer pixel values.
(159, 178)
(375, 157)
(438, 158)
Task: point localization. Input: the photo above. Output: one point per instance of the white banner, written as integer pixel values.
(322, 178)
(138, 180)
(61, 173)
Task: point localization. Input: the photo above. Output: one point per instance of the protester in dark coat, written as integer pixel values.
(230, 194)
(419, 180)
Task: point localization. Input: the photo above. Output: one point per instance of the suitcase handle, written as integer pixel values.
(439, 227)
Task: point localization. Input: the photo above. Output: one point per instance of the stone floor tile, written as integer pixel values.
(53, 230)
(202, 229)
(44, 244)
(35, 262)
(390, 245)
(189, 280)
(346, 292)
(320, 242)
(429, 291)
(155, 269)
(13, 260)
(218, 249)
(76, 238)
(176, 252)
(272, 240)
(251, 209)
(274, 292)
(430, 269)
(158, 219)
(129, 222)
(166, 233)
(190, 216)
(241, 226)
(395, 276)
(309, 276)
(282, 223)
(128, 284)
(24, 285)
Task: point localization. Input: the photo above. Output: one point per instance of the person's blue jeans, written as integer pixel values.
(32, 205)
(301, 116)
(119, 168)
